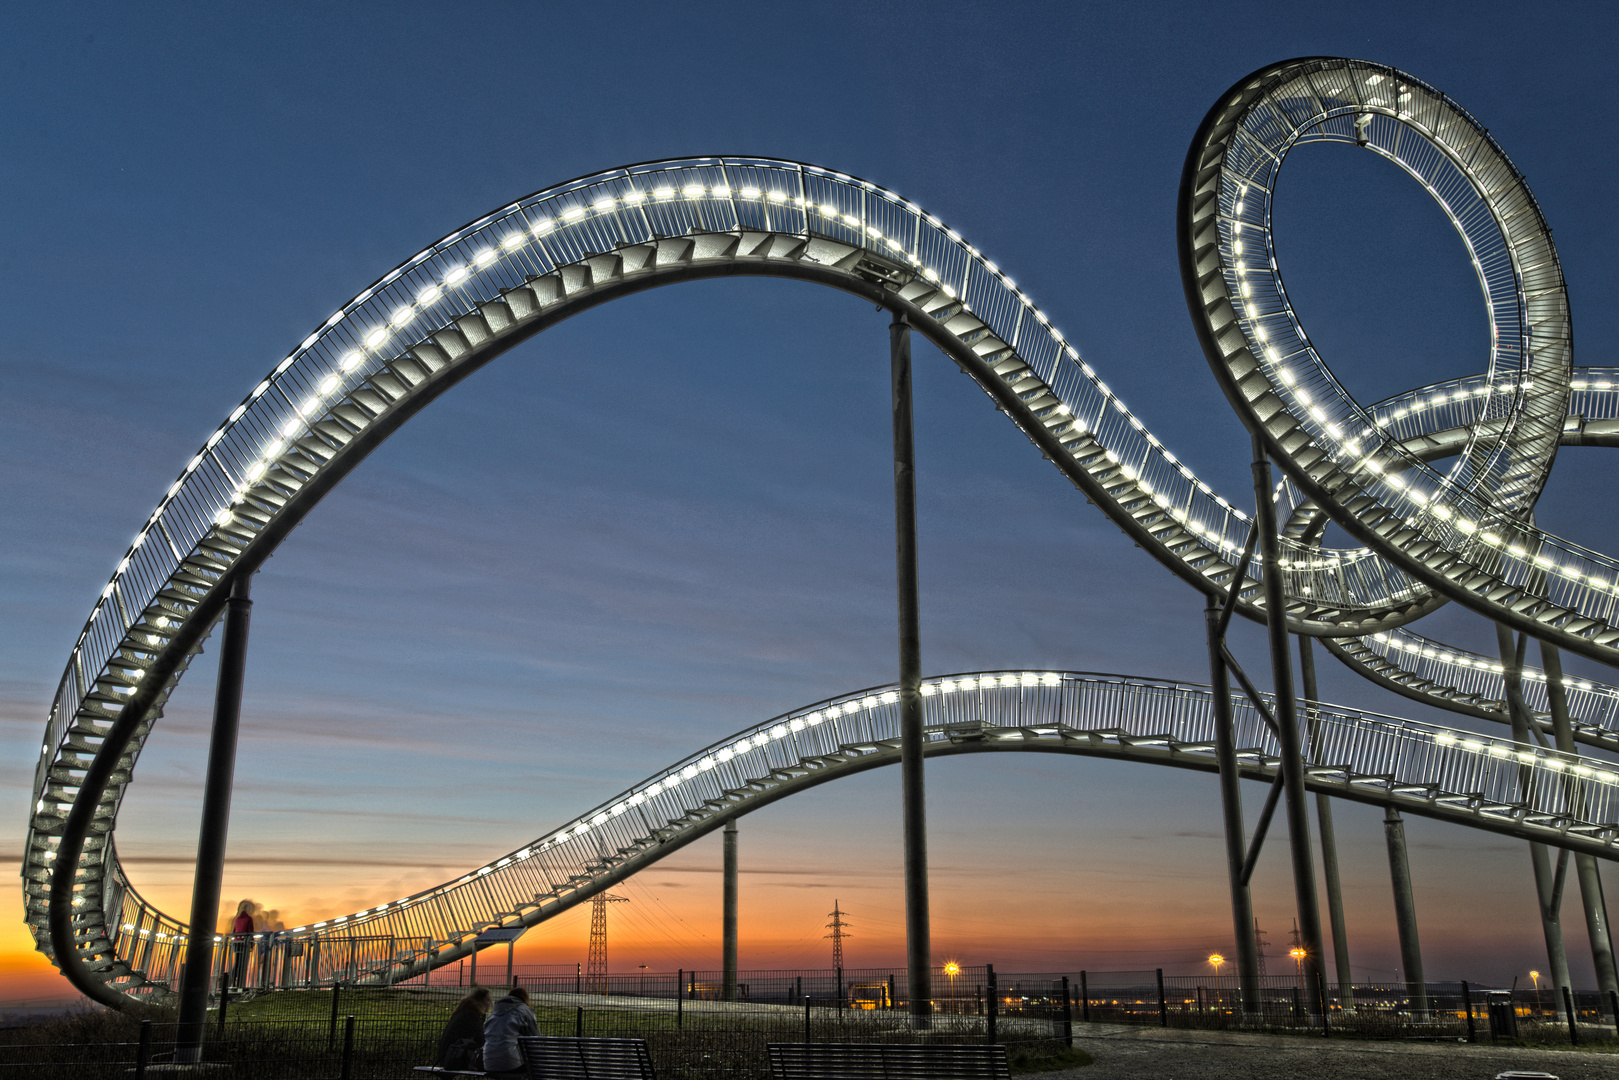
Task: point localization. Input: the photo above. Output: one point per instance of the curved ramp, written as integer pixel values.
(1448, 775)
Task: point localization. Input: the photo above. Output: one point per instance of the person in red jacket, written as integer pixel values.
(241, 931)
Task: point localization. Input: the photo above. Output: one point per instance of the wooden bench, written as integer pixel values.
(567, 1058)
(888, 1061)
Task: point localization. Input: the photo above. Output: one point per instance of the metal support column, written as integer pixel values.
(1548, 883)
(1287, 723)
(918, 947)
(1596, 907)
(1329, 838)
(728, 986)
(1405, 912)
(1225, 752)
(199, 955)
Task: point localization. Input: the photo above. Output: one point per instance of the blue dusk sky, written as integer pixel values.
(671, 517)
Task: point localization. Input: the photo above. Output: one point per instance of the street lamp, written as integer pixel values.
(1298, 955)
(952, 969)
(1535, 975)
(1216, 959)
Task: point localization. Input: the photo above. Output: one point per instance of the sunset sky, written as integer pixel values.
(543, 590)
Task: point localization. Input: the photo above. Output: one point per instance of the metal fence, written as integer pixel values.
(374, 1032)
(352, 1033)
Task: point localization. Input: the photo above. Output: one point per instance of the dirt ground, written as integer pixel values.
(1128, 1051)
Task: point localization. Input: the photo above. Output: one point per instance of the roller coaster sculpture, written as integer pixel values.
(1463, 533)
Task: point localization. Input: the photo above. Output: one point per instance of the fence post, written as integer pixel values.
(1321, 990)
(806, 1019)
(1163, 1006)
(1568, 1007)
(994, 1001)
(799, 982)
(578, 975)
(579, 1022)
(224, 1002)
(331, 1031)
(680, 1001)
(1613, 1000)
(1084, 998)
(891, 998)
(1297, 1004)
(1467, 1003)
(348, 1048)
(143, 1051)
(1067, 1014)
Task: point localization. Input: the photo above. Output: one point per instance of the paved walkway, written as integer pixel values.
(1132, 1052)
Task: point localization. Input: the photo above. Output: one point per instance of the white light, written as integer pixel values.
(402, 315)
(455, 275)
(257, 470)
(828, 210)
(601, 206)
(223, 518)
(543, 226)
(750, 192)
(376, 337)
(328, 384)
(573, 213)
(634, 195)
(692, 191)
(663, 193)
(722, 192)
(310, 406)
(778, 196)
(515, 240)
(352, 360)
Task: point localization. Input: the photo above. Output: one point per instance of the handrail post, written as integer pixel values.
(199, 955)
(918, 948)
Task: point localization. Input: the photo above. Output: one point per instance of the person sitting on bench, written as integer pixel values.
(510, 1018)
(461, 1045)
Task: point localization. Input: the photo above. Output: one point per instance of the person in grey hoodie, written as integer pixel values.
(510, 1018)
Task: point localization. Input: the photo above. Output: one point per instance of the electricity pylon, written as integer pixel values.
(840, 930)
(596, 960)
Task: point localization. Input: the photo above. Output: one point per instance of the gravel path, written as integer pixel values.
(1132, 1052)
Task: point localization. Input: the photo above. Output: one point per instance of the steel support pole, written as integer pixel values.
(1225, 752)
(1287, 721)
(1548, 884)
(1405, 912)
(918, 947)
(1596, 907)
(199, 955)
(1329, 838)
(728, 986)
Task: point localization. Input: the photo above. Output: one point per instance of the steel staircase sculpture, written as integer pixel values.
(1464, 535)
